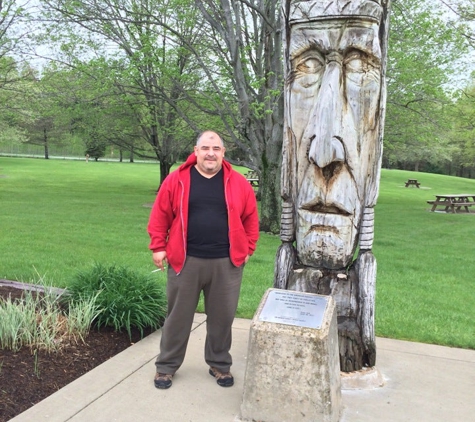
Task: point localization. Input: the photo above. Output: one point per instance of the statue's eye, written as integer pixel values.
(359, 62)
(354, 62)
(309, 65)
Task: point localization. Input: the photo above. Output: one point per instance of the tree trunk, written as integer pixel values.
(165, 168)
(257, 83)
(270, 196)
(45, 143)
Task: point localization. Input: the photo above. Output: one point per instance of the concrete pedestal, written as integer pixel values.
(292, 372)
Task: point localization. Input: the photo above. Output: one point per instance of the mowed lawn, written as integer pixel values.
(61, 216)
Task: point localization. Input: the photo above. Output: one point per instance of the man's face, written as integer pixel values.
(209, 154)
(334, 94)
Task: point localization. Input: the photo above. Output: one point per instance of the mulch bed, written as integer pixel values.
(26, 378)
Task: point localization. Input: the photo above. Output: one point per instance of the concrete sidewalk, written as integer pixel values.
(422, 383)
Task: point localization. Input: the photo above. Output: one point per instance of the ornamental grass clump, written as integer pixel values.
(124, 298)
(17, 323)
(38, 321)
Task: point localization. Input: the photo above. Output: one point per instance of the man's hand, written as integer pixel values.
(246, 259)
(160, 259)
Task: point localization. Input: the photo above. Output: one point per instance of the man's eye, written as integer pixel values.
(310, 65)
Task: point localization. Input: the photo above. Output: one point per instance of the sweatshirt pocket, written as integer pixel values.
(239, 243)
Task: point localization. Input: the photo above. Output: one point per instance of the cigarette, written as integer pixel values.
(158, 269)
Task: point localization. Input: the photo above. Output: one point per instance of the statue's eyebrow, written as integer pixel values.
(364, 49)
(304, 46)
(362, 43)
(303, 41)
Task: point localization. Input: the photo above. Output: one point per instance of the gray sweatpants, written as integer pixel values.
(220, 282)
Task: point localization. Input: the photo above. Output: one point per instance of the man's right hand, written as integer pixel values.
(160, 259)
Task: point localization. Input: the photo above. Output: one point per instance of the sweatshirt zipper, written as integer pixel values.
(182, 225)
(229, 217)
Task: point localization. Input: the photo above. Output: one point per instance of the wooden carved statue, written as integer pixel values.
(335, 57)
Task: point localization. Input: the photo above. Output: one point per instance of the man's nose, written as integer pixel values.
(324, 130)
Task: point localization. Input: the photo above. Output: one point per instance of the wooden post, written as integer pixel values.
(334, 60)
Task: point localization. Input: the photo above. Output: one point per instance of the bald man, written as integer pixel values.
(204, 224)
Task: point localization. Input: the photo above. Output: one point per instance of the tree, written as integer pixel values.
(40, 110)
(243, 68)
(219, 63)
(463, 132)
(95, 147)
(11, 12)
(464, 11)
(245, 39)
(423, 55)
(10, 132)
(148, 70)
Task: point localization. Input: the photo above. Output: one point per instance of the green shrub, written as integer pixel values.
(125, 298)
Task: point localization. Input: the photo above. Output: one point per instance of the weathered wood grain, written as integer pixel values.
(334, 102)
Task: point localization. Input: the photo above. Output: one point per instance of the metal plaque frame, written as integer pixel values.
(294, 308)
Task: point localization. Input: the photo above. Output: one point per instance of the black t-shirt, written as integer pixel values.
(207, 217)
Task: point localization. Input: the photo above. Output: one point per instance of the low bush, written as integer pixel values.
(124, 298)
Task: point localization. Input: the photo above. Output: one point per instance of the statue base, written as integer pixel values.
(293, 371)
(364, 379)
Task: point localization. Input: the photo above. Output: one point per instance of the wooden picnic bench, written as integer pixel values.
(453, 203)
(412, 182)
(252, 178)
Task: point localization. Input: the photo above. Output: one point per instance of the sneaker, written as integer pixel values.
(224, 379)
(163, 381)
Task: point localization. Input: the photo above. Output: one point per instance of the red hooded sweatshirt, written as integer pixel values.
(168, 222)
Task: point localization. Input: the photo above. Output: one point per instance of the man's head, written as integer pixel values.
(209, 151)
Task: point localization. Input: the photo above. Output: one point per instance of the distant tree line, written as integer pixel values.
(144, 78)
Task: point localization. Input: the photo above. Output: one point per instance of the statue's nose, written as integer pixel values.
(325, 128)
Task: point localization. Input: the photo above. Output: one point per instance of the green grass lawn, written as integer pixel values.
(61, 216)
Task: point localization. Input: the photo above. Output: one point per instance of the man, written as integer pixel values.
(205, 225)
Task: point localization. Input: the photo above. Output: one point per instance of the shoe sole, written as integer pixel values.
(163, 387)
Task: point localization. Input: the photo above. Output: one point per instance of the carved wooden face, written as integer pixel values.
(333, 100)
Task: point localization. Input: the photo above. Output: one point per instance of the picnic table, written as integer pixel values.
(453, 203)
(252, 178)
(412, 182)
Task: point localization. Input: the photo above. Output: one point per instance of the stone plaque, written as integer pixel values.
(293, 308)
